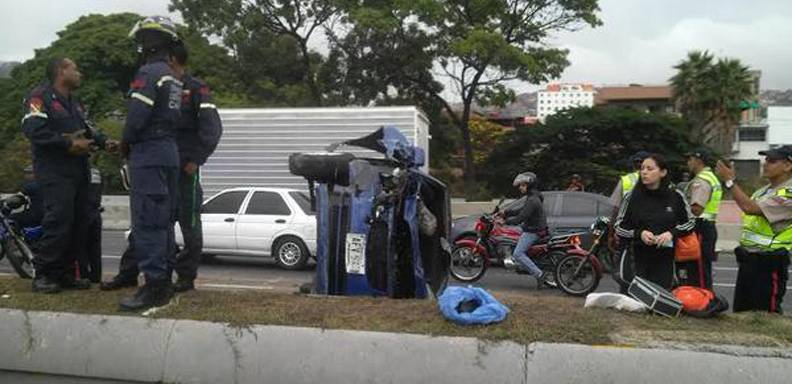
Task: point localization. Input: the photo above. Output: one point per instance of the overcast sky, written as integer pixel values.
(639, 42)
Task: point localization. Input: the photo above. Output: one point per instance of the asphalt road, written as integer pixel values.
(262, 274)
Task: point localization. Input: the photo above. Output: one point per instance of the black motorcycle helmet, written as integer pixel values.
(526, 178)
(154, 34)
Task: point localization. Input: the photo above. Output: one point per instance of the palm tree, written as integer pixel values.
(708, 94)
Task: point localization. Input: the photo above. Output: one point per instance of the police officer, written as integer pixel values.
(149, 133)
(54, 122)
(199, 132)
(766, 239)
(625, 185)
(704, 195)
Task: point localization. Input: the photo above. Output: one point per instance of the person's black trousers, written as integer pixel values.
(190, 202)
(761, 280)
(708, 235)
(66, 201)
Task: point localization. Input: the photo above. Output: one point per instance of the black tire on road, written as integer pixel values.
(467, 265)
(20, 257)
(290, 253)
(580, 284)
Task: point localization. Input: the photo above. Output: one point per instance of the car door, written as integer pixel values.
(265, 216)
(578, 211)
(219, 220)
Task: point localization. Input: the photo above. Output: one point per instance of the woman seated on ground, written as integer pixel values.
(651, 217)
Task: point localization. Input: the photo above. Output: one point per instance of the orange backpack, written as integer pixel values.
(687, 248)
(693, 299)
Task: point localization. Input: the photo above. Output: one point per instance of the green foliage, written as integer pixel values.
(595, 143)
(269, 42)
(480, 45)
(107, 58)
(709, 93)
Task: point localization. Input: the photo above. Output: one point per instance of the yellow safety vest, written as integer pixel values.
(713, 205)
(628, 182)
(757, 232)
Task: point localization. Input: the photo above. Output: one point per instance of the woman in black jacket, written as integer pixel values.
(652, 216)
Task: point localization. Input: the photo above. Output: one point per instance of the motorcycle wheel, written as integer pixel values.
(467, 265)
(20, 257)
(581, 283)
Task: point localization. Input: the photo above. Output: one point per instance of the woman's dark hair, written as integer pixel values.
(662, 164)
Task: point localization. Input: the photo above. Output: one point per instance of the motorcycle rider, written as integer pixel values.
(531, 218)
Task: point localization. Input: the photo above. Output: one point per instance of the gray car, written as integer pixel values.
(566, 212)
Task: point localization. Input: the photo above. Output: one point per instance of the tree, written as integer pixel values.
(478, 45)
(595, 143)
(107, 58)
(485, 136)
(709, 94)
(244, 25)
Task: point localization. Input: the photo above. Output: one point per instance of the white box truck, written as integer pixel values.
(256, 143)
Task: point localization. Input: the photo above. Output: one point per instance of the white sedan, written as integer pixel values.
(252, 221)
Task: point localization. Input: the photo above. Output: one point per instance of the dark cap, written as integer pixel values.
(782, 152)
(700, 152)
(639, 156)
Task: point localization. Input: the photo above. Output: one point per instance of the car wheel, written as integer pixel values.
(290, 253)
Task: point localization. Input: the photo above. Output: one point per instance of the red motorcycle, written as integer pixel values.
(471, 257)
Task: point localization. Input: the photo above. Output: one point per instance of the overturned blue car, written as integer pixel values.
(382, 224)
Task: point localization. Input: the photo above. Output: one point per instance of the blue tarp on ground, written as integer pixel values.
(485, 308)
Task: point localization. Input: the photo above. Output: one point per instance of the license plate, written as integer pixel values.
(356, 253)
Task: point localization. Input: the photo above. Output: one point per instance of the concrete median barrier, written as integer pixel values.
(185, 351)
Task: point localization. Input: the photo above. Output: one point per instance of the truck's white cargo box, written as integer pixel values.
(256, 143)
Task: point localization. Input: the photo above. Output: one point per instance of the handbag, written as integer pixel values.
(687, 248)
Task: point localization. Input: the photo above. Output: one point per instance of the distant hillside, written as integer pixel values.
(773, 97)
(6, 67)
(524, 105)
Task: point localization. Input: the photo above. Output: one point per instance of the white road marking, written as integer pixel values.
(236, 286)
(732, 285)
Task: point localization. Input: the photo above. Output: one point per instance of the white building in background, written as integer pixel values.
(780, 121)
(757, 134)
(558, 97)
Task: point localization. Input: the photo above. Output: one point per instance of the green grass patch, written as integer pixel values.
(545, 318)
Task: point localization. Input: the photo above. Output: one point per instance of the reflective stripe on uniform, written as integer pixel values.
(165, 78)
(208, 105)
(35, 114)
(757, 238)
(142, 98)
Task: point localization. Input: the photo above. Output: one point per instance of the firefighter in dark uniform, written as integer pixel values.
(153, 159)
(766, 238)
(55, 124)
(199, 132)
